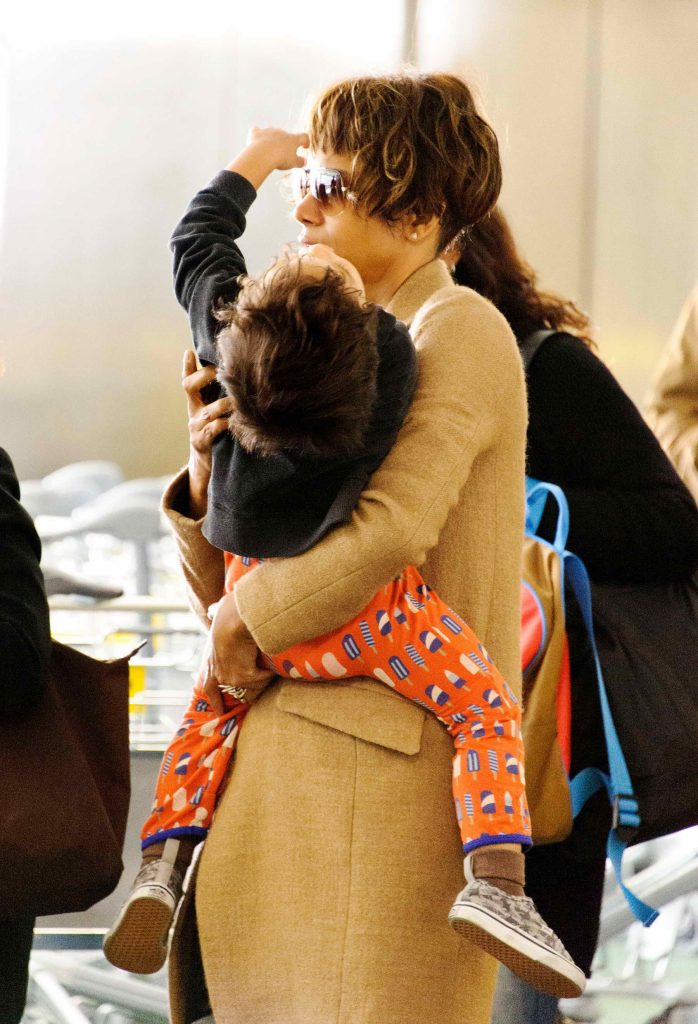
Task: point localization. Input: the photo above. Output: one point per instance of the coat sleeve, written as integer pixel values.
(461, 340)
(202, 564)
(672, 410)
(631, 518)
(25, 637)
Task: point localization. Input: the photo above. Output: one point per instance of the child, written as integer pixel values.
(319, 383)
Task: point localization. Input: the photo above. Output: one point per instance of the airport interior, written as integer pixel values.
(112, 116)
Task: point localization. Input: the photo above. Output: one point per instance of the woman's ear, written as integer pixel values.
(417, 229)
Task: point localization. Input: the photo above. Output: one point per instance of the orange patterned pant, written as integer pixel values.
(410, 640)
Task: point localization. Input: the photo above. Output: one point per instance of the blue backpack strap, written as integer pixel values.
(626, 815)
(537, 494)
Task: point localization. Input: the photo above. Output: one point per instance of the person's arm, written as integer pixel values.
(207, 263)
(207, 260)
(673, 404)
(25, 637)
(468, 370)
(631, 518)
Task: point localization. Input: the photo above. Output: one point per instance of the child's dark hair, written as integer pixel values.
(298, 357)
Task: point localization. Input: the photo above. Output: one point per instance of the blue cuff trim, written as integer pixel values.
(515, 837)
(193, 832)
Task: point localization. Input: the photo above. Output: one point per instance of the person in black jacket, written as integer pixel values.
(25, 643)
(631, 521)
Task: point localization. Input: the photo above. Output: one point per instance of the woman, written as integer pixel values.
(337, 824)
(631, 521)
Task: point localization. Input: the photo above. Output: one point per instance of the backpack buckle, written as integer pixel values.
(626, 816)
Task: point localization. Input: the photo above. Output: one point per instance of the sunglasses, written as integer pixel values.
(325, 184)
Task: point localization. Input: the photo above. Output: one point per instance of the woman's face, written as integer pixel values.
(370, 244)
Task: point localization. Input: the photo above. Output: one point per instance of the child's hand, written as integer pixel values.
(267, 150)
(280, 147)
(232, 658)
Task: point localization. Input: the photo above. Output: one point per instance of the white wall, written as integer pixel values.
(108, 140)
(111, 125)
(596, 106)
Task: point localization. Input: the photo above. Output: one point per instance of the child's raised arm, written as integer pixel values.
(207, 261)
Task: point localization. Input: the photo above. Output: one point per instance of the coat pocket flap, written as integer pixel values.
(361, 709)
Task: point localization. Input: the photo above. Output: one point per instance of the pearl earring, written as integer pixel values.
(414, 236)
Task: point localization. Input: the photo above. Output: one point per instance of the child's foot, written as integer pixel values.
(509, 928)
(137, 941)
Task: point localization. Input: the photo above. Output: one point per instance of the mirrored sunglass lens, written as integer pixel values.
(328, 187)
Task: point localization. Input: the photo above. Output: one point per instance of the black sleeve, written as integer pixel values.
(631, 518)
(207, 262)
(25, 643)
(396, 382)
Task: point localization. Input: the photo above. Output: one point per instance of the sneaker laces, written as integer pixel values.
(159, 872)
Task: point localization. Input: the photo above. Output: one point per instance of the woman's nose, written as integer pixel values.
(308, 211)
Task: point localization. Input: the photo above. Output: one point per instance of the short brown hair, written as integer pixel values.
(419, 146)
(298, 357)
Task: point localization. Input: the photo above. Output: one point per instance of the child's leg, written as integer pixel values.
(190, 777)
(409, 639)
(192, 770)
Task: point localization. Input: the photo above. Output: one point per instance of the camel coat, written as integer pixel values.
(673, 402)
(334, 856)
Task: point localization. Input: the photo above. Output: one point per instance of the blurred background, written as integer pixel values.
(111, 116)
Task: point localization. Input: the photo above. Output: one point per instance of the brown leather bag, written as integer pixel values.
(65, 788)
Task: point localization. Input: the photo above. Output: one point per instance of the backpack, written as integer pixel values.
(554, 798)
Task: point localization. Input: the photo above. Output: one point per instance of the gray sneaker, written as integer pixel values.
(137, 941)
(511, 930)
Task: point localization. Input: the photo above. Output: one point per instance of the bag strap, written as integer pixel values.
(617, 782)
(537, 494)
(531, 343)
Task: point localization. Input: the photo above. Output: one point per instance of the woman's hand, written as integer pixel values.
(206, 422)
(267, 150)
(232, 658)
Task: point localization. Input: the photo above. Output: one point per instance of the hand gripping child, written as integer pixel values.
(320, 382)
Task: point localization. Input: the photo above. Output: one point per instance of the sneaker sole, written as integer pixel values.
(535, 964)
(138, 940)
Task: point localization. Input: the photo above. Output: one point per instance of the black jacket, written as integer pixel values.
(277, 505)
(24, 625)
(631, 520)
(631, 517)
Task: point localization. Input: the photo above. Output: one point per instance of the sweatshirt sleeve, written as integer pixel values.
(631, 518)
(207, 260)
(25, 638)
(459, 337)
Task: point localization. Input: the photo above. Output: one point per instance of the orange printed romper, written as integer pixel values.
(410, 640)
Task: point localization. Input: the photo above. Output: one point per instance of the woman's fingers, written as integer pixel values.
(188, 363)
(213, 694)
(209, 681)
(207, 422)
(254, 688)
(194, 380)
(217, 410)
